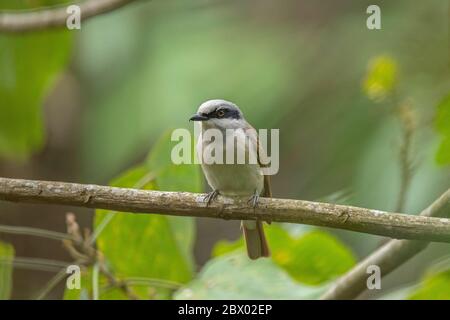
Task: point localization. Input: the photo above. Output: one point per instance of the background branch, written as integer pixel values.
(35, 232)
(394, 225)
(406, 116)
(388, 257)
(55, 17)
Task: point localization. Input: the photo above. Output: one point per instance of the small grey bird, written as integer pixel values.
(242, 180)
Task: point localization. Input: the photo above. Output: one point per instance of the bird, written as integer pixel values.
(233, 179)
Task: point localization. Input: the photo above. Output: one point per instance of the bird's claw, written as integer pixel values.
(254, 200)
(210, 197)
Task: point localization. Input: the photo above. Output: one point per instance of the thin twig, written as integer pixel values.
(122, 285)
(34, 232)
(35, 263)
(95, 284)
(406, 116)
(153, 282)
(26, 21)
(51, 284)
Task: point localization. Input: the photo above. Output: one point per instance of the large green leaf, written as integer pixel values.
(435, 286)
(150, 246)
(171, 177)
(234, 276)
(443, 127)
(313, 258)
(141, 245)
(29, 65)
(6, 269)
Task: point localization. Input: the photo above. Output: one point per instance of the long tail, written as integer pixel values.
(255, 239)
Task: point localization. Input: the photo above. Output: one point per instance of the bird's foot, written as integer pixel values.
(210, 197)
(254, 199)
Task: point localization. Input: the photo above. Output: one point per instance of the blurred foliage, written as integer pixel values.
(151, 246)
(29, 65)
(381, 78)
(443, 127)
(435, 285)
(6, 269)
(313, 258)
(235, 275)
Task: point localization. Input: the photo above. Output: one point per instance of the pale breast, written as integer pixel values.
(234, 179)
(230, 179)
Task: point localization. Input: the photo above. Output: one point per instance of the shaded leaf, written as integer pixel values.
(172, 177)
(234, 276)
(141, 245)
(29, 65)
(152, 246)
(313, 258)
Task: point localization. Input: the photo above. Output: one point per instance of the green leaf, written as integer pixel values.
(234, 276)
(6, 269)
(151, 246)
(141, 245)
(443, 153)
(313, 258)
(435, 286)
(224, 246)
(171, 177)
(381, 78)
(443, 116)
(29, 64)
(443, 127)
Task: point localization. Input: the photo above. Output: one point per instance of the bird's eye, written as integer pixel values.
(220, 113)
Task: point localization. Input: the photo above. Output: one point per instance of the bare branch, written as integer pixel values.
(54, 17)
(388, 257)
(394, 225)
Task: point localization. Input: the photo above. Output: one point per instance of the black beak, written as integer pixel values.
(198, 117)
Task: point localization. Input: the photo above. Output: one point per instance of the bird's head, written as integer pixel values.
(220, 114)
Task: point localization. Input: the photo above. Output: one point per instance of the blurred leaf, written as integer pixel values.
(224, 246)
(315, 257)
(29, 65)
(235, 276)
(141, 245)
(443, 127)
(6, 270)
(153, 246)
(434, 287)
(401, 293)
(381, 78)
(172, 177)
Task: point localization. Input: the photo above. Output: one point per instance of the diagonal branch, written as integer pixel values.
(394, 225)
(388, 257)
(55, 17)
